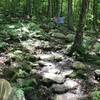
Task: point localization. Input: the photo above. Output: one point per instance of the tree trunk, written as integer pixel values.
(61, 8)
(57, 8)
(77, 46)
(29, 5)
(70, 16)
(94, 14)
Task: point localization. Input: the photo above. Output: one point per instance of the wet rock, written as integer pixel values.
(54, 77)
(78, 65)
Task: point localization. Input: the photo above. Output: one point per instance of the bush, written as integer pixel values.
(96, 95)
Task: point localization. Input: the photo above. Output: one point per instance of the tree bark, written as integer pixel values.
(77, 45)
(70, 16)
(29, 5)
(94, 14)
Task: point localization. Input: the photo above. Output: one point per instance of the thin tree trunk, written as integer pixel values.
(29, 5)
(94, 14)
(61, 7)
(70, 16)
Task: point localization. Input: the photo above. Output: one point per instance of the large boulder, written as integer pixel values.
(5, 89)
(54, 77)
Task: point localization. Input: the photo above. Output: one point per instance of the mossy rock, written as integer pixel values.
(79, 73)
(73, 75)
(78, 65)
(5, 89)
(59, 35)
(70, 37)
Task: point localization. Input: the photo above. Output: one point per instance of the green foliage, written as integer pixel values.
(3, 45)
(96, 95)
(88, 42)
(97, 47)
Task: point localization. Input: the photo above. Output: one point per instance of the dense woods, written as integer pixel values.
(49, 49)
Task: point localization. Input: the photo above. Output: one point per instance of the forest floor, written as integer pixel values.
(35, 60)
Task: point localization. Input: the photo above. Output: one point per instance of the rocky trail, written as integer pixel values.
(59, 73)
(58, 77)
